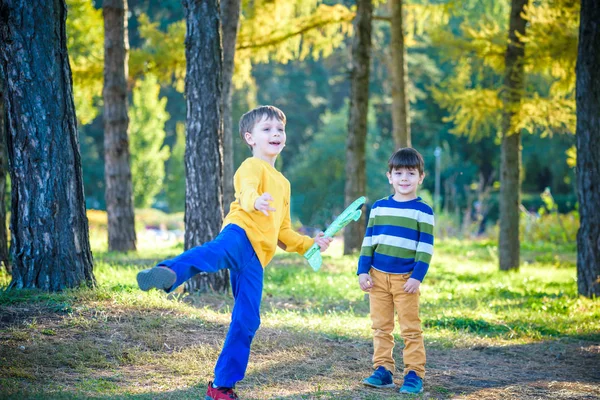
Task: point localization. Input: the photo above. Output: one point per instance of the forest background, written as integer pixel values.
(455, 66)
(76, 325)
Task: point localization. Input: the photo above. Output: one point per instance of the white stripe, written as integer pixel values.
(367, 241)
(425, 248)
(404, 212)
(395, 241)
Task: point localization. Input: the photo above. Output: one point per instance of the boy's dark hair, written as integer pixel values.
(254, 116)
(406, 157)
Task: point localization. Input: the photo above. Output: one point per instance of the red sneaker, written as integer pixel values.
(219, 393)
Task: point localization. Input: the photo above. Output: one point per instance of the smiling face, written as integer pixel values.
(267, 138)
(405, 181)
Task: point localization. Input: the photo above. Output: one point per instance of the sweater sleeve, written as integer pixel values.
(246, 182)
(365, 261)
(425, 225)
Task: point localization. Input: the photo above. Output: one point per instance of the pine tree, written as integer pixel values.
(588, 149)
(117, 168)
(204, 139)
(510, 186)
(50, 247)
(357, 121)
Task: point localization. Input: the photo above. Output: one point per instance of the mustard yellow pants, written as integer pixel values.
(386, 295)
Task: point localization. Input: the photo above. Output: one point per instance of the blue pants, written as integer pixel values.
(230, 249)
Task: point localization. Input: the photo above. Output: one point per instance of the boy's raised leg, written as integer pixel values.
(227, 250)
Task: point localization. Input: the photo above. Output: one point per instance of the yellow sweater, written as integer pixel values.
(253, 178)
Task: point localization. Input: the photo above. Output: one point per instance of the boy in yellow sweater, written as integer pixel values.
(258, 221)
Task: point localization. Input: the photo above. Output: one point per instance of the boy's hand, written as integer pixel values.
(365, 282)
(412, 285)
(262, 204)
(322, 241)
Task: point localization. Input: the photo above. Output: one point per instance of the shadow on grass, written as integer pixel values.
(287, 363)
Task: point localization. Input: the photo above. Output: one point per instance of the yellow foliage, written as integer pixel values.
(551, 42)
(303, 29)
(85, 43)
(419, 19)
(546, 115)
(572, 157)
(547, 105)
(163, 53)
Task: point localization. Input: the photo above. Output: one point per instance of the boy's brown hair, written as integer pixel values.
(406, 157)
(254, 116)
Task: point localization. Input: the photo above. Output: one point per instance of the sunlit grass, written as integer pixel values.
(115, 340)
(463, 292)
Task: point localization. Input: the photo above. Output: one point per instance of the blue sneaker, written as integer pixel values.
(158, 277)
(381, 378)
(412, 383)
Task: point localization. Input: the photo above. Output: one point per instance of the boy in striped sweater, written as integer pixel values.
(394, 259)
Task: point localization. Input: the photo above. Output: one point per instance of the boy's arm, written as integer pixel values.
(365, 261)
(425, 226)
(246, 183)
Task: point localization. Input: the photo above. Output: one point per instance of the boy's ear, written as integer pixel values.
(389, 176)
(248, 138)
(421, 178)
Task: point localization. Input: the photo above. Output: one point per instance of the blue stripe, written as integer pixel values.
(426, 238)
(364, 264)
(393, 265)
(398, 231)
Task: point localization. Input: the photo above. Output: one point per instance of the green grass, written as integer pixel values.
(115, 341)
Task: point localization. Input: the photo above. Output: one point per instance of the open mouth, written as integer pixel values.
(275, 143)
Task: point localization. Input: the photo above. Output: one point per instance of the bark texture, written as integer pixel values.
(50, 245)
(510, 198)
(399, 71)
(588, 149)
(230, 16)
(117, 168)
(4, 259)
(204, 139)
(357, 121)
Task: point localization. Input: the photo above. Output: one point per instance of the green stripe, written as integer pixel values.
(394, 251)
(397, 221)
(403, 222)
(426, 228)
(425, 257)
(366, 251)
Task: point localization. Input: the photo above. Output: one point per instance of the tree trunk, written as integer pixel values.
(588, 149)
(230, 15)
(357, 121)
(50, 245)
(204, 139)
(4, 259)
(117, 167)
(399, 72)
(508, 242)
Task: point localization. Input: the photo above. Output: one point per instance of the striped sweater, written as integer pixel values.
(399, 238)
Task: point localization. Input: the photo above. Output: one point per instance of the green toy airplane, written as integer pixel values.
(351, 213)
